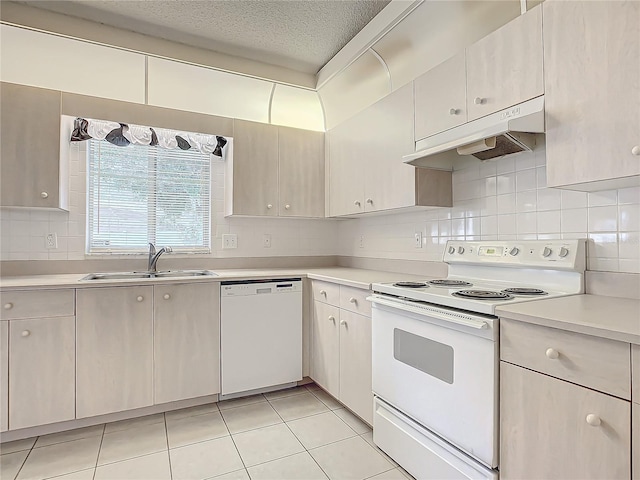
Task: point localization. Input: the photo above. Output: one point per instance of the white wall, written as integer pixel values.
(508, 199)
(22, 231)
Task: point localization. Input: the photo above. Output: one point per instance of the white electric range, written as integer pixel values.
(435, 351)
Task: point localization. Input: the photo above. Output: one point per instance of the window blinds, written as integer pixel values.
(140, 194)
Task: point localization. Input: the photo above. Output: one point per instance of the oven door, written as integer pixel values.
(439, 367)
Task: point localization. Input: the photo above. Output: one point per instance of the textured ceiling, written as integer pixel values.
(300, 35)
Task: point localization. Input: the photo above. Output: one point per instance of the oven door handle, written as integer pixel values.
(431, 312)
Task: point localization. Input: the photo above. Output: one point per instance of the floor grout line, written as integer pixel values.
(95, 468)
(25, 458)
(166, 432)
(234, 444)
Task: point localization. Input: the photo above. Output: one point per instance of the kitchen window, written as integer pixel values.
(139, 194)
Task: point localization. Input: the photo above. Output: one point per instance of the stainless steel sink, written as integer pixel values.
(149, 275)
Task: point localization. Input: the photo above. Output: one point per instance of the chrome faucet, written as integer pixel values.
(153, 256)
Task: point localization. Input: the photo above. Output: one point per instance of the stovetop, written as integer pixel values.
(484, 275)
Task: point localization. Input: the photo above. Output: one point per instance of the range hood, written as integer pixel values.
(502, 133)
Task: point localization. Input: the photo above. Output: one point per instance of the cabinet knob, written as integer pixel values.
(369, 201)
(353, 300)
(270, 206)
(44, 195)
(332, 318)
(343, 322)
(323, 292)
(453, 111)
(593, 420)
(8, 306)
(357, 203)
(287, 206)
(636, 150)
(25, 333)
(140, 298)
(166, 296)
(478, 100)
(552, 353)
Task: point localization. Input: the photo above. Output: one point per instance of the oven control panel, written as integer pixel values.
(554, 254)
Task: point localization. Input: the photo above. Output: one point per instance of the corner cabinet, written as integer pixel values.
(564, 404)
(592, 94)
(30, 150)
(275, 172)
(366, 172)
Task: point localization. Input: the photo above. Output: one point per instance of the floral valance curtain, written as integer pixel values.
(122, 135)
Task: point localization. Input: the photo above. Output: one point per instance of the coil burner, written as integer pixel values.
(482, 295)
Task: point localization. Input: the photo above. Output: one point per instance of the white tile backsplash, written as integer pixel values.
(519, 207)
(502, 199)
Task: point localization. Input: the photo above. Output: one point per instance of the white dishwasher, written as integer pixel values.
(261, 334)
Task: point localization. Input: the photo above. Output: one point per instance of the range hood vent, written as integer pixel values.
(502, 133)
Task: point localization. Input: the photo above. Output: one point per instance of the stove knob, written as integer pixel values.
(461, 250)
(514, 251)
(546, 252)
(563, 252)
(452, 250)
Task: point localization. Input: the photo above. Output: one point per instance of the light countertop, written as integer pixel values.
(607, 317)
(352, 277)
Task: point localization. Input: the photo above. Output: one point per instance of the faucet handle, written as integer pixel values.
(168, 249)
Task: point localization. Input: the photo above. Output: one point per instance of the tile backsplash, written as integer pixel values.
(507, 199)
(503, 199)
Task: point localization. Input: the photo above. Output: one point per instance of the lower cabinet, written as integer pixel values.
(114, 349)
(550, 428)
(341, 346)
(186, 341)
(41, 371)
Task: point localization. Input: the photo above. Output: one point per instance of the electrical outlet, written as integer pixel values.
(51, 240)
(266, 240)
(361, 241)
(229, 240)
(417, 237)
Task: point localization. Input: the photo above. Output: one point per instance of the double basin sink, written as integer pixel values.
(149, 275)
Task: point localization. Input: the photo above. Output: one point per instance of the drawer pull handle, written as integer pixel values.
(356, 203)
(166, 296)
(332, 318)
(353, 300)
(593, 420)
(343, 322)
(140, 298)
(479, 100)
(44, 195)
(552, 353)
(25, 333)
(370, 201)
(323, 292)
(8, 306)
(270, 206)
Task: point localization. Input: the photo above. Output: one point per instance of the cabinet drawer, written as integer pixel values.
(594, 362)
(326, 292)
(635, 380)
(355, 300)
(34, 304)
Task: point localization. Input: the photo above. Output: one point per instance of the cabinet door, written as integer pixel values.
(441, 97)
(114, 349)
(41, 371)
(325, 347)
(635, 440)
(592, 91)
(346, 164)
(301, 173)
(30, 131)
(355, 364)
(389, 183)
(505, 67)
(254, 169)
(4, 376)
(186, 341)
(544, 432)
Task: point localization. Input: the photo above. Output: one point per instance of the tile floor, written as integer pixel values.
(299, 433)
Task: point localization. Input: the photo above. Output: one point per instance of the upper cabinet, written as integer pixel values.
(365, 161)
(30, 131)
(592, 94)
(441, 98)
(505, 67)
(275, 171)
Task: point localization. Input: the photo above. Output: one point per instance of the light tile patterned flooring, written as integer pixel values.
(299, 433)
